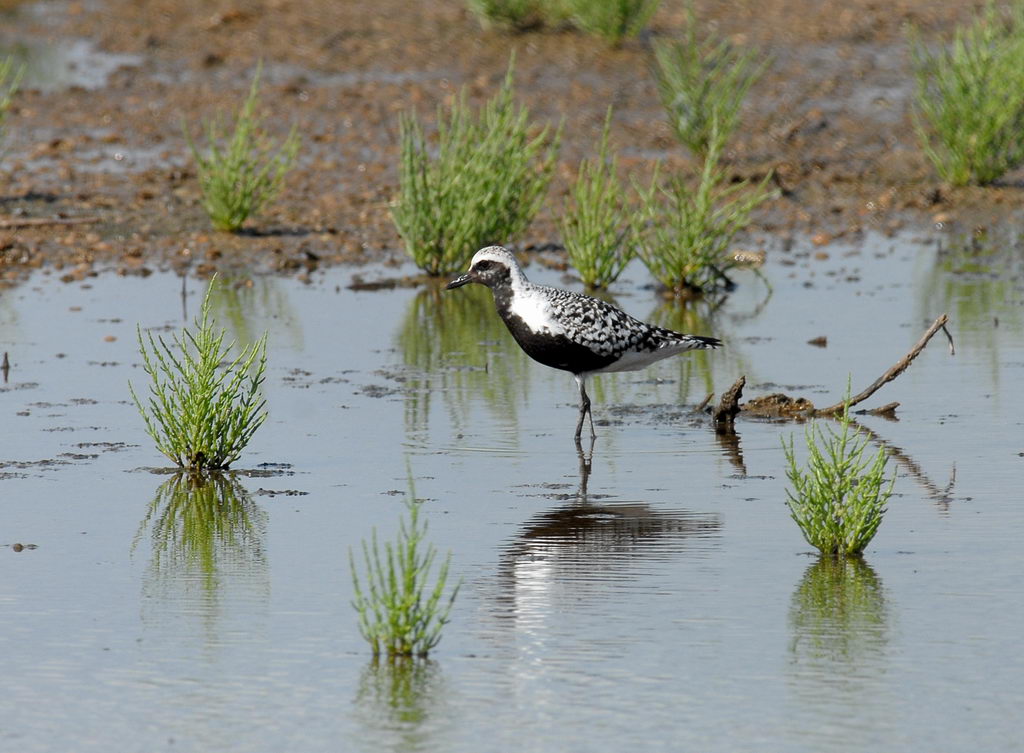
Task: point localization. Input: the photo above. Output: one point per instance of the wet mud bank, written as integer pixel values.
(96, 138)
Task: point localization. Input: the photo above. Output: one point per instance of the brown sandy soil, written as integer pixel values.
(831, 119)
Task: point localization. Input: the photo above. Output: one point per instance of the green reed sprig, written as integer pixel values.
(482, 183)
(686, 231)
(241, 175)
(204, 406)
(839, 500)
(400, 614)
(597, 227)
(969, 111)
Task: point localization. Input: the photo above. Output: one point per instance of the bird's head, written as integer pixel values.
(491, 266)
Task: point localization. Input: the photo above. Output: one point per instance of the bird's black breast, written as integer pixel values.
(556, 351)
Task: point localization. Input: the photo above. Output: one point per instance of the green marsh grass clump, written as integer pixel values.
(702, 86)
(613, 20)
(204, 406)
(969, 113)
(10, 80)
(839, 500)
(597, 224)
(483, 183)
(400, 614)
(686, 231)
(241, 175)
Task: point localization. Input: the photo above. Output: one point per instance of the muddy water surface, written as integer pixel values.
(651, 595)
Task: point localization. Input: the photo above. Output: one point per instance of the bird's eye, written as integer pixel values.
(483, 266)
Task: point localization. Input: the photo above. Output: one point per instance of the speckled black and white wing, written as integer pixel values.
(571, 331)
(618, 341)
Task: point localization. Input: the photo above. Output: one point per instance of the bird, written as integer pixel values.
(572, 331)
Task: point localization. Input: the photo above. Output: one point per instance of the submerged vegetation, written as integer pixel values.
(597, 224)
(400, 614)
(485, 184)
(202, 413)
(969, 113)
(687, 231)
(702, 85)
(839, 501)
(240, 177)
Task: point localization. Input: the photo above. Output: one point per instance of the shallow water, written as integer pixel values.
(54, 66)
(656, 598)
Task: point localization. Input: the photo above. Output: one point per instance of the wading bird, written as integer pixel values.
(572, 331)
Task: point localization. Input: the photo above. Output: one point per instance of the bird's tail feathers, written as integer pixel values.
(699, 342)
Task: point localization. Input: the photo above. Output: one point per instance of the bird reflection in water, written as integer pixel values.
(587, 545)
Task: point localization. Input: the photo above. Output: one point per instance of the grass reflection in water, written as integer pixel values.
(200, 524)
(838, 616)
(457, 346)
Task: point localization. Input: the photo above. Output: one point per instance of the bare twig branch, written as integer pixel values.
(894, 371)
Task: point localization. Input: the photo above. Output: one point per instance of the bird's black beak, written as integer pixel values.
(458, 282)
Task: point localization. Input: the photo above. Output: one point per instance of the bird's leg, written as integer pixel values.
(585, 458)
(584, 408)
